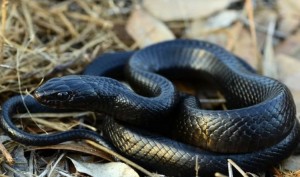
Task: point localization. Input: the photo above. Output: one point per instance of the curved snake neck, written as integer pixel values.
(258, 130)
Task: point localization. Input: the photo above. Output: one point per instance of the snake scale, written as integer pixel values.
(258, 130)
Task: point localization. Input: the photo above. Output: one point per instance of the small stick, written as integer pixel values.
(249, 10)
(230, 172)
(232, 163)
(197, 167)
(52, 115)
(55, 164)
(4, 14)
(212, 101)
(3, 23)
(220, 175)
(28, 21)
(68, 24)
(6, 154)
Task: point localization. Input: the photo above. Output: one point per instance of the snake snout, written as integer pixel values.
(53, 93)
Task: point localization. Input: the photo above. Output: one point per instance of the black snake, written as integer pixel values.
(257, 131)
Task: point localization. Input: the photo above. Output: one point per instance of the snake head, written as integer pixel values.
(69, 92)
(55, 92)
(80, 92)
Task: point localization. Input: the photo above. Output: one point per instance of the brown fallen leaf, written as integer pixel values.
(7, 155)
(244, 47)
(269, 65)
(147, 30)
(201, 27)
(225, 36)
(170, 10)
(289, 11)
(83, 148)
(291, 46)
(289, 74)
(262, 18)
(113, 169)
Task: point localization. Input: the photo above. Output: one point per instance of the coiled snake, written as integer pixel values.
(258, 131)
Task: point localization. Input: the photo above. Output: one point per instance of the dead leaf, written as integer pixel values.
(4, 138)
(112, 169)
(147, 30)
(289, 74)
(292, 163)
(21, 162)
(244, 48)
(269, 64)
(221, 20)
(263, 18)
(291, 46)
(289, 11)
(83, 148)
(170, 10)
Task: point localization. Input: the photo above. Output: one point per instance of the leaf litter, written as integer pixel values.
(44, 39)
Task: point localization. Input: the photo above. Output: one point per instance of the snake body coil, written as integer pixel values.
(258, 131)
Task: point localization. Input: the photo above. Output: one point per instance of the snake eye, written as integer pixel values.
(63, 95)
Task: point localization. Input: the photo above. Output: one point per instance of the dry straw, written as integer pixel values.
(42, 39)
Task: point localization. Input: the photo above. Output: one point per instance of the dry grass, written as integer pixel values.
(41, 39)
(44, 39)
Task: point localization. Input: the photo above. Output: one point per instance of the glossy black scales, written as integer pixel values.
(257, 131)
